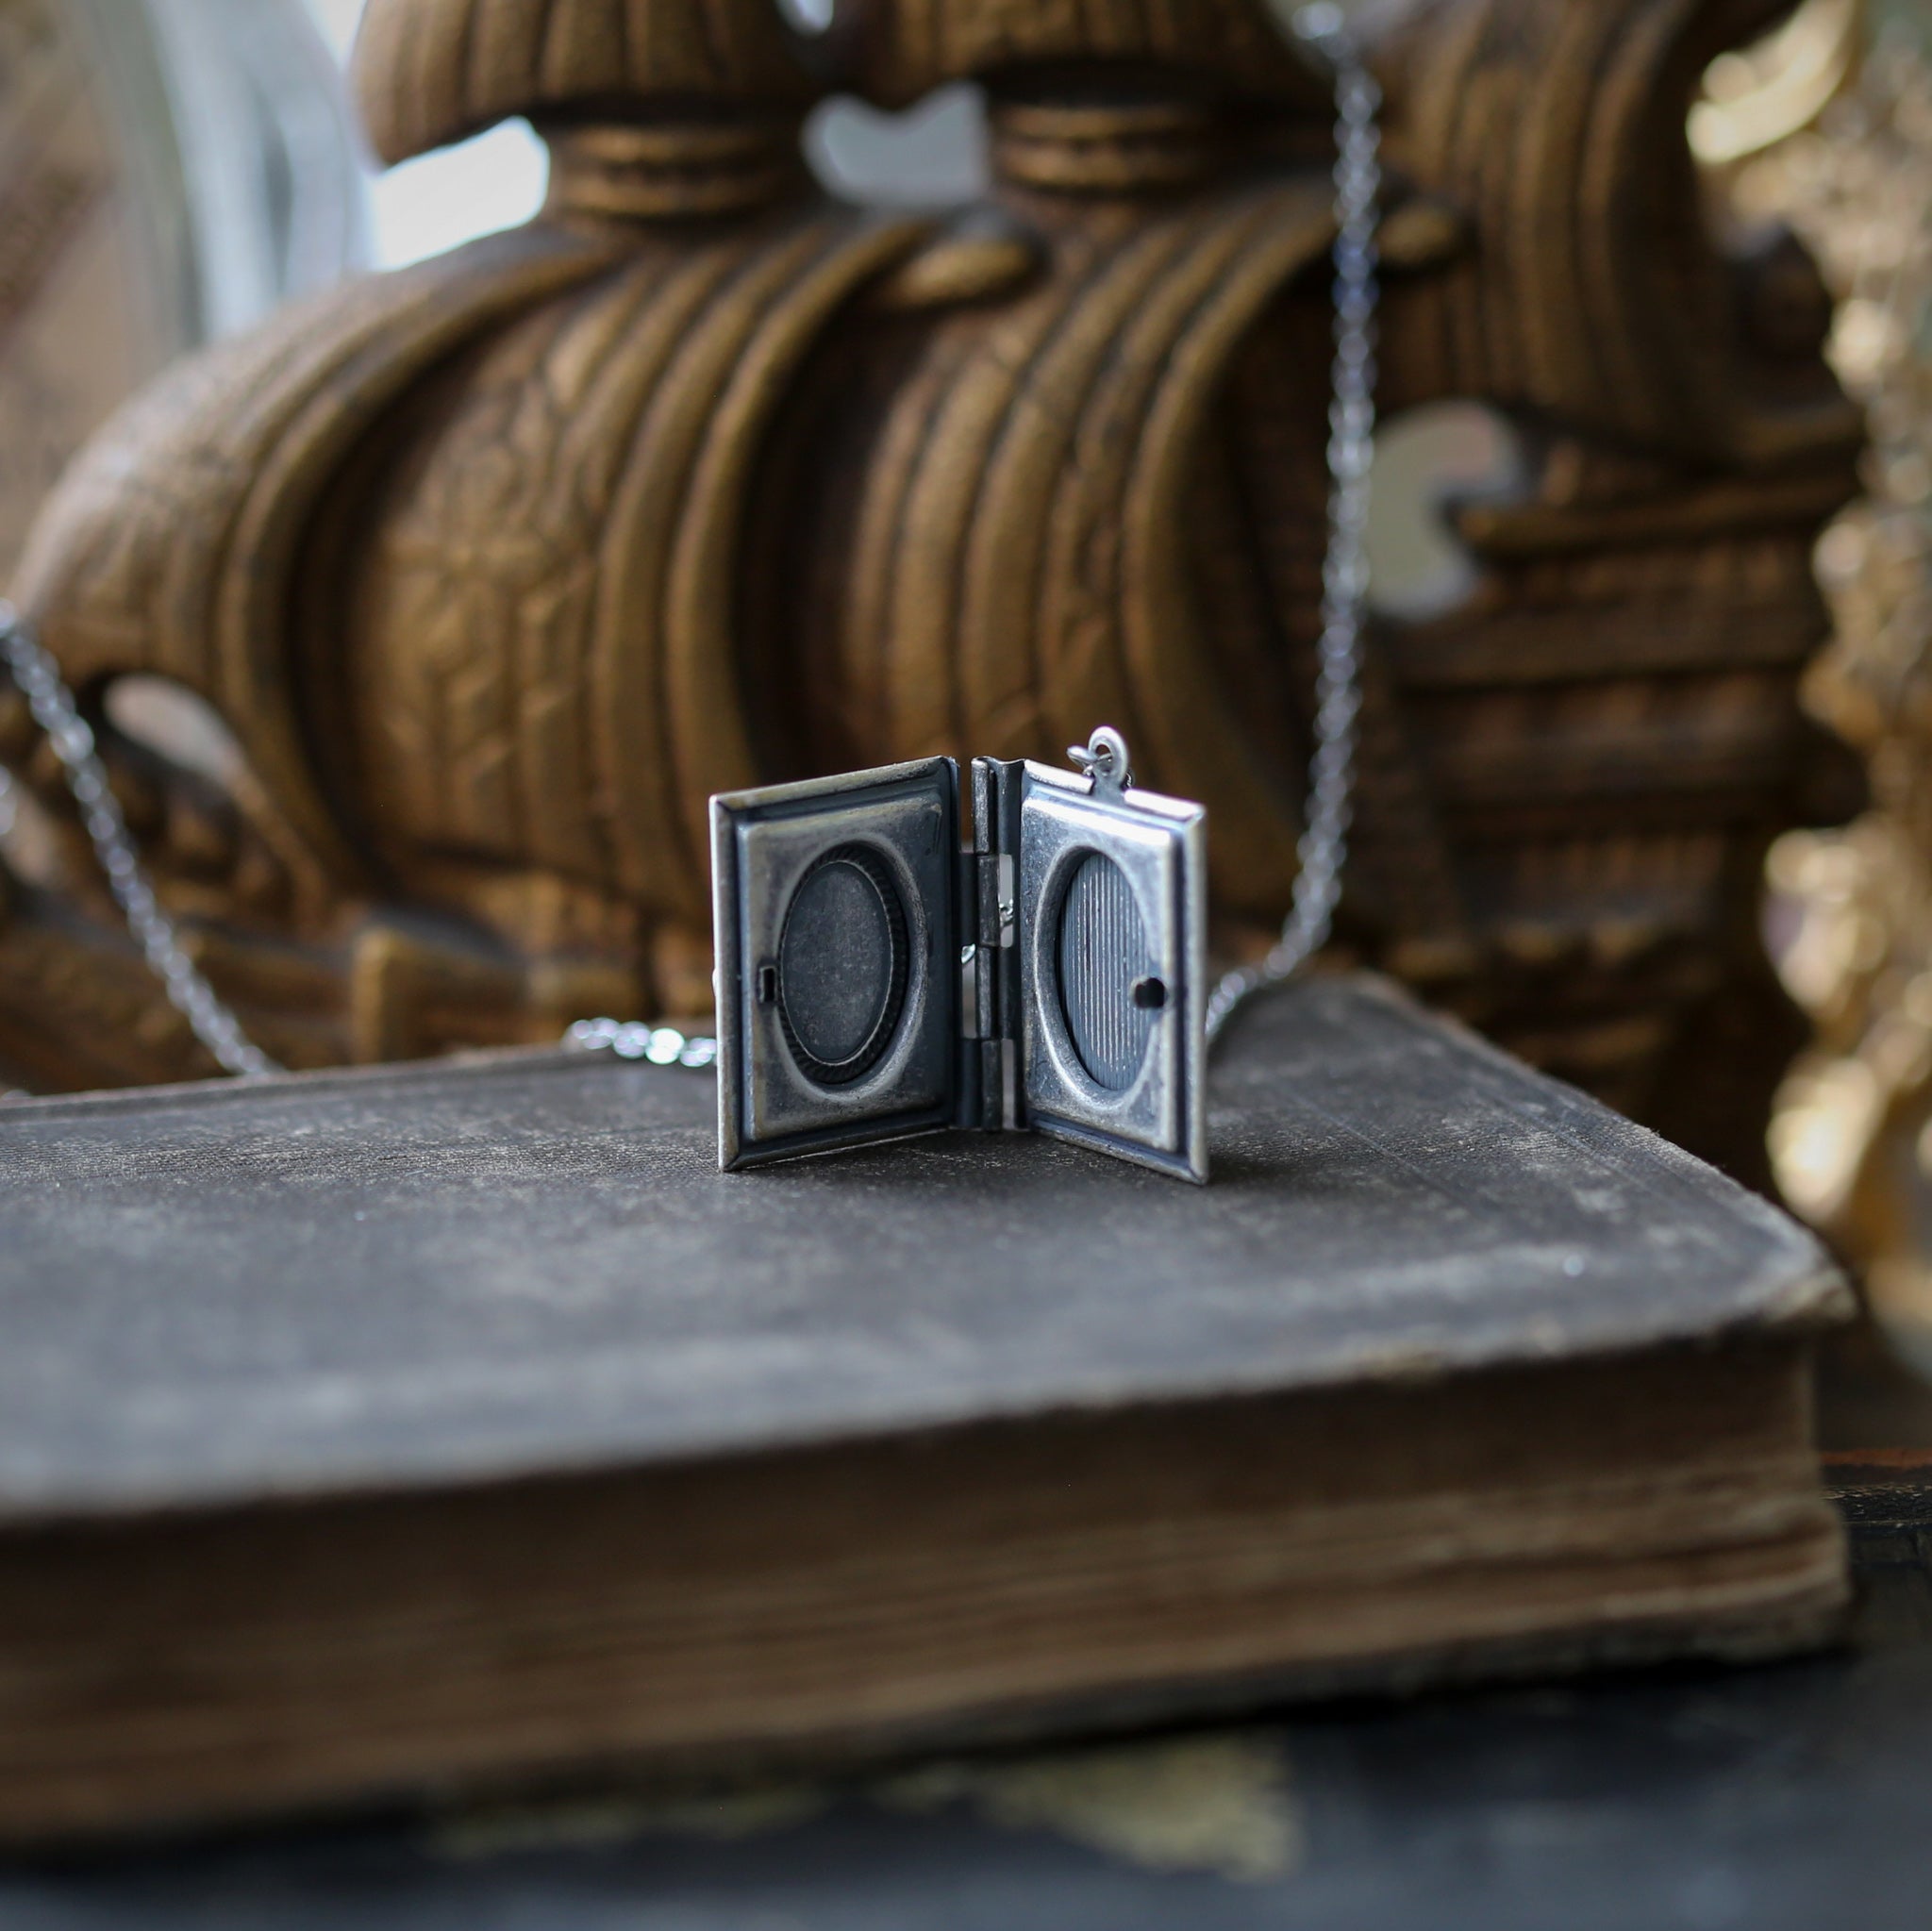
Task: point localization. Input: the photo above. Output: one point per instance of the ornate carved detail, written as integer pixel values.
(499, 568)
(171, 545)
(429, 72)
(897, 52)
(1592, 293)
(539, 661)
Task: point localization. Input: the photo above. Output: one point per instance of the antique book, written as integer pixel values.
(368, 1434)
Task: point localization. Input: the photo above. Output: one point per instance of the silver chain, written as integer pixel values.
(661, 1045)
(1345, 573)
(1338, 688)
(58, 716)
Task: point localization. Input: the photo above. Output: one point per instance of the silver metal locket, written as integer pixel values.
(876, 980)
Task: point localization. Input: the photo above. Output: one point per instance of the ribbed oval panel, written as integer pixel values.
(1103, 950)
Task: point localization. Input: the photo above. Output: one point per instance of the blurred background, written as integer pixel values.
(176, 169)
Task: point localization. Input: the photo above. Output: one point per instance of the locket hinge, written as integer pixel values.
(990, 955)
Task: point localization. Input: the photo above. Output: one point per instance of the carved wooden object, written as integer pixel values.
(499, 567)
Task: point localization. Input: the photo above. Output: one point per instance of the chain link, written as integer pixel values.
(662, 1045)
(1345, 573)
(55, 711)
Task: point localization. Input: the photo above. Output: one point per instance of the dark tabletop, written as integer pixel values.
(1796, 1795)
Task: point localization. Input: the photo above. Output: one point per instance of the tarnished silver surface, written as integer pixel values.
(1111, 989)
(875, 979)
(1105, 760)
(895, 992)
(1113, 918)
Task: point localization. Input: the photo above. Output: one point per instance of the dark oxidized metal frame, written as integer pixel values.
(982, 1041)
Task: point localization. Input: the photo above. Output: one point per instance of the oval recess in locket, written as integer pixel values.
(843, 964)
(1111, 996)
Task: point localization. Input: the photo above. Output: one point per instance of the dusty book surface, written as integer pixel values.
(364, 1436)
(425, 1276)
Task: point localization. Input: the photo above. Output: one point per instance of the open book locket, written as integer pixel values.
(876, 980)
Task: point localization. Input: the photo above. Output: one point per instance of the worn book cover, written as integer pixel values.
(365, 1433)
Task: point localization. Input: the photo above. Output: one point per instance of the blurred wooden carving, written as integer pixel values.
(497, 568)
(171, 172)
(1853, 1137)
